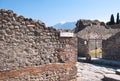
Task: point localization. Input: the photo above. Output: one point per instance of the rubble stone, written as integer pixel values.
(26, 44)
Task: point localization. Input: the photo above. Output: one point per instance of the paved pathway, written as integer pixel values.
(93, 72)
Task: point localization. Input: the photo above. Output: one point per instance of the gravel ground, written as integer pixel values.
(93, 72)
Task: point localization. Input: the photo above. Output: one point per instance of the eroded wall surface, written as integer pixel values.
(111, 47)
(30, 51)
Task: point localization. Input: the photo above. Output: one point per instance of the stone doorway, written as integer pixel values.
(95, 48)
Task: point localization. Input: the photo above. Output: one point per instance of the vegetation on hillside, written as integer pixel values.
(112, 20)
(96, 53)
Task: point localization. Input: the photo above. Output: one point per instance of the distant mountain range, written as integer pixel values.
(66, 25)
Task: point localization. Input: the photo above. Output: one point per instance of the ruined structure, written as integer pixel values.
(111, 47)
(93, 32)
(82, 47)
(30, 51)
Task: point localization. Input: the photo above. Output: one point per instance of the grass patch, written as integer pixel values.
(96, 53)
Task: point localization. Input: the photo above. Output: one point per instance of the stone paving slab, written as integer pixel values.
(111, 77)
(118, 71)
(93, 72)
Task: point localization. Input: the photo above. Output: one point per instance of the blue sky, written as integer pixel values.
(55, 11)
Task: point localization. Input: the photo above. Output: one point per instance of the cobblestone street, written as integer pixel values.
(93, 72)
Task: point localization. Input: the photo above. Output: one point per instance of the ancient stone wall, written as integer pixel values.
(111, 47)
(94, 32)
(95, 44)
(82, 47)
(30, 51)
(115, 26)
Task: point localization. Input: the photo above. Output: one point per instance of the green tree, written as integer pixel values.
(117, 20)
(112, 21)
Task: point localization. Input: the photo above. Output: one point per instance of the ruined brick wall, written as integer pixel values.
(30, 51)
(111, 47)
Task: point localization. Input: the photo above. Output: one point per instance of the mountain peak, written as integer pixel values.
(65, 25)
(62, 22)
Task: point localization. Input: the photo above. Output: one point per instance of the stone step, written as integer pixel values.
(118, 71)
(111, 77)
